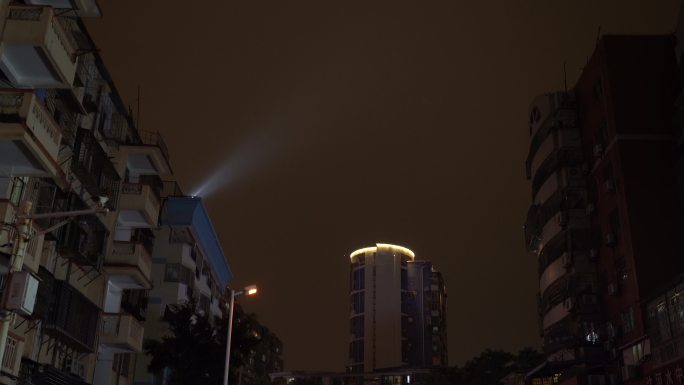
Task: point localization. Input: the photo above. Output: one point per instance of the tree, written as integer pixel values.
(489, 367)
(192, 349)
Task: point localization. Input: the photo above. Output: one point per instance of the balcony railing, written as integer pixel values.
(130, 255)
(142, 197)
(134, 302)
(171, 188)
(122, 331)
(65, 302)
(150, 138)
(33, 373)
(94, 169)
(84, 241)
(24, 107)
(40, 27)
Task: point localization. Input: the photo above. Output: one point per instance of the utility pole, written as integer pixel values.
(18, 252)
(22, 225)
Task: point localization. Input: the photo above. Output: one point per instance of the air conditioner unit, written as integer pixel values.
(611, 239)
(598, 150)
(613, 289)
(593, 254)
(569, 303)
(594, 379)
(562, 219)
(609, 186)
(21, 297)
(590, 208)
(566, 259)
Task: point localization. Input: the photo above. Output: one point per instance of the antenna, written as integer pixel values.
(598, 34)
(565, 75)
(137, 118)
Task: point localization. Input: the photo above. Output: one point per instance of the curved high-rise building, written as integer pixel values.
(379, 281)
(397, 312)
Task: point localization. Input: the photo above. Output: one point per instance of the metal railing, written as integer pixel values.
(25, 13)
(122, 326)
(150, 138)
(152, 181)
(9, 360)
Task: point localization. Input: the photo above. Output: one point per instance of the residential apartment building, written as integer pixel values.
(427, 315)
(263, 356)
(398, 310)
(188, 263)
(664, 310)
(603, 222)
(66, 140)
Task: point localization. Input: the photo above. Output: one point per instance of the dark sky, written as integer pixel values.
(335, 125)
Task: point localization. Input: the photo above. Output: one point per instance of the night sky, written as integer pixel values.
(335, 125)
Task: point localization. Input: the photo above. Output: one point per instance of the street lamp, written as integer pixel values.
(248, 290)
(22, 225)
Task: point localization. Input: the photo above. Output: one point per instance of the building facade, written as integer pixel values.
(603, 221)
(68, 143)
(427, 315)
(188, 264)
(398, 310)
(663, 360)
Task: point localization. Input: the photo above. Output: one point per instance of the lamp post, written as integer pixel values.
(22, 227)
(248, 290)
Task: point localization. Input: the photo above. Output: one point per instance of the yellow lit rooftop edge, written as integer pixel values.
(400, 249)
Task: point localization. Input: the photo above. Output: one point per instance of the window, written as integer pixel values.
(172, 272)
(615, 222)
(404, 279)
(358, 279)
(405, 323)
(356, 326)
(621, 268)
(406, 298)
(356, 351)
(358, 300)
(186, 275)
(120, 364)
(675, 299)
(627, 320)
(662, 320)
(598, 89)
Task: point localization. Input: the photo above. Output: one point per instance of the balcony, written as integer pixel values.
(129, 265)
(84, 241)
(557, 313)
(561, 179)
(38, 51)
(215, 308)
(560, 141)
(553, 272)
(94, 168)
(551, 111)
(122, 331)
(563, 220)
(139, 203)
(33, 373)
(29, 136)
(134, 302)
(77, 332)
(82, 8)
(146, 156)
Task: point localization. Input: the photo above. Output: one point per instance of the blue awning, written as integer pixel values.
(190, 212)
